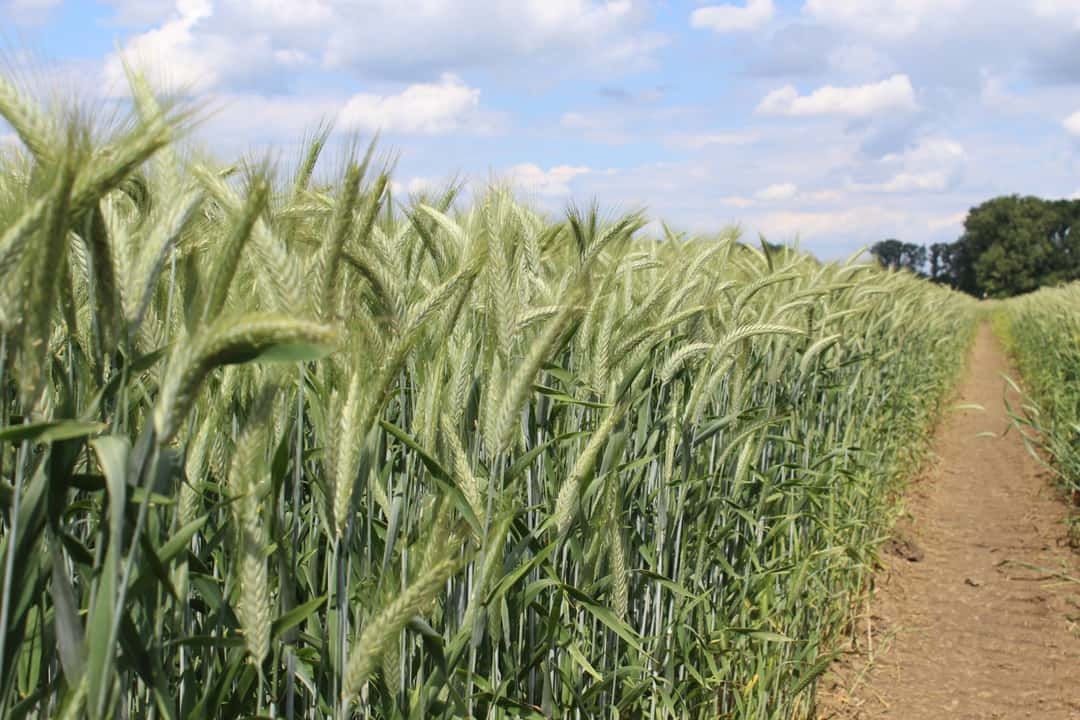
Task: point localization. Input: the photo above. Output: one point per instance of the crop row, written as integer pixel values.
(1043, 333)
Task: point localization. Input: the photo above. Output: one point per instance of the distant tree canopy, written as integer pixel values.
(1011, 245)
(900, 255)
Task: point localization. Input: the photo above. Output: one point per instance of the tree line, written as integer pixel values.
(1010, 245)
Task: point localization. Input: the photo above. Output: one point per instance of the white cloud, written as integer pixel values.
(554, 182)
(782, 191)
(895, 94)
(932, 165)
(396, 38)
(9, 140)
(928, 151)
(424, 108)
(890, 18)
(239, 118)
(732, 18)
(175, 59)
(1072, 123)
(399, 41)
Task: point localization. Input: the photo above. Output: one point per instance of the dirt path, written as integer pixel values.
(957, 633)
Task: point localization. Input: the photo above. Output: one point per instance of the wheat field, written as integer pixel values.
(292, 446)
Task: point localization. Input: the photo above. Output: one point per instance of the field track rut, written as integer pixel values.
(964, 632)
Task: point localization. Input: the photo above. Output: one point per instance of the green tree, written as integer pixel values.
(943, 262)
(1013, 244)
(898, 255)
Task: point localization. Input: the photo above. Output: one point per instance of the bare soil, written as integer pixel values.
(960, 626)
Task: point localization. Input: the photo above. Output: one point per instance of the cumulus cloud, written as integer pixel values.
(932, 165)
(189, 54)
(732, 18)
(380, 36)
(781, 191)
(892, 95)
(246, 45)
(930, 150)
(174, 58)
(1072, 124)
(953, 41)
(417, 110)
(554, 182)
(424, 108)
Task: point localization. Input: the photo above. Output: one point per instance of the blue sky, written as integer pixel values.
(841, 122)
